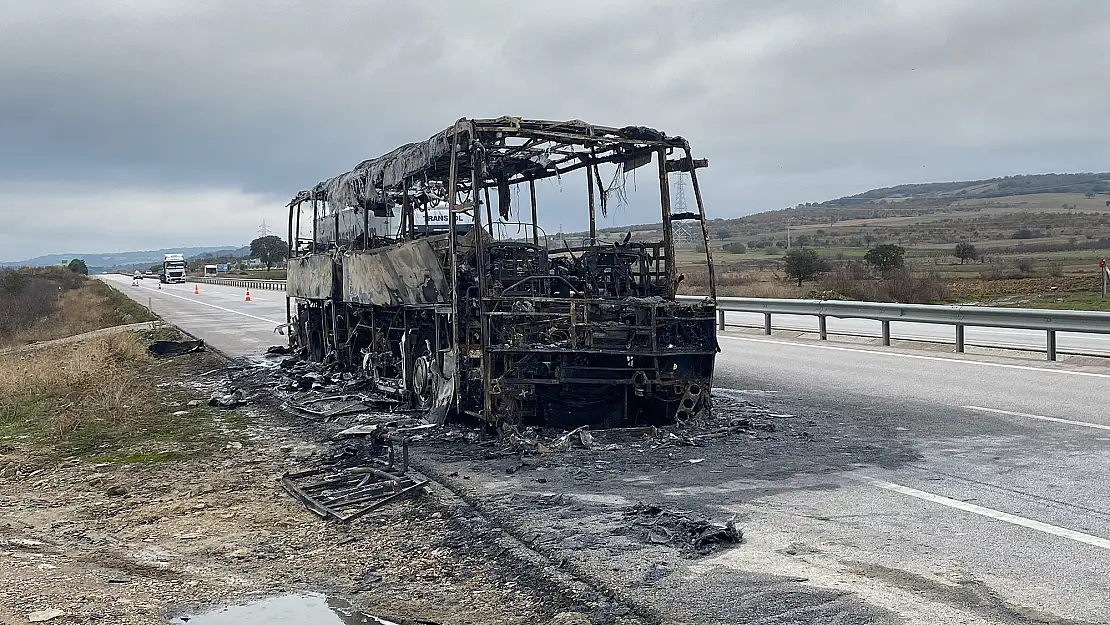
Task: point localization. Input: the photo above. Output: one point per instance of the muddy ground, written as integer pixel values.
(140, 539)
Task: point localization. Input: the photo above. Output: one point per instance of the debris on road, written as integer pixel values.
(347, 494)
(657, 525)
(169, 349)
(234, 399)
(42, 616)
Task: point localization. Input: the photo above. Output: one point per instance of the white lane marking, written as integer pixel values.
(189, 299)
(918, 357)
(1097, 426)
(997, 515)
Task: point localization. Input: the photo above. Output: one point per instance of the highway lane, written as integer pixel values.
(1007, 495)
(943, 488)
(1097, 344)
(218, 314)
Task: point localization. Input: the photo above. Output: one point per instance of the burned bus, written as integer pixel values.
(424, 272)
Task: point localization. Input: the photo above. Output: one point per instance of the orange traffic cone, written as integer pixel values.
(196, 289)
(248, 296)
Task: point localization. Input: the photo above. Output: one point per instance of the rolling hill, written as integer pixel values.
(125, 260)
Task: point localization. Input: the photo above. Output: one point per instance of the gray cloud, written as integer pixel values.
(109, 100)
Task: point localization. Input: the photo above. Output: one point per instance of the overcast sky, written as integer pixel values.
(128, 124)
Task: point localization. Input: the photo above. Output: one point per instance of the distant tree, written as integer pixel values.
(156, 269)
(804, 265)
(1024, 233)
(78, 266)
(803, 240)
(270, 249)
(886, 257)
(735, 248)
(966, 252)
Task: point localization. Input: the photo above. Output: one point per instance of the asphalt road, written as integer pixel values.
(901, 485)
(218, 314)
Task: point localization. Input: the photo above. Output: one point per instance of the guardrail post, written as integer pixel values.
(886, 333)
(767, 324)
(960, 338)
(822, 327)
(1052, 344)
(721, 319)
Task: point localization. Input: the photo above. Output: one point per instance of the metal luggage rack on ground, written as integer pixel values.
(349, 493)
(1050, 321)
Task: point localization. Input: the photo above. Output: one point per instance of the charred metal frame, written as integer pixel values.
(507, 330)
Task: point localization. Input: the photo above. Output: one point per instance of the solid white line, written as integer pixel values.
(918, 357)
(1097, 426)
(189, 299)
(993, 514)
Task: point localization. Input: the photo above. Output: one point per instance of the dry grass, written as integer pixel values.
(90, 306)
(95, 399)
(735, 281)
(57, 392)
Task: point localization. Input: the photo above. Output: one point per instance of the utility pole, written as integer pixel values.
(683, 231)
(1105, 271)
(263, 230)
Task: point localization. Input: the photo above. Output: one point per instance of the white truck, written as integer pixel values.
(173, 268)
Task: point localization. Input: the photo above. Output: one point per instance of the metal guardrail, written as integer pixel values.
(243, 283)
(960, 317)
(1049, 321)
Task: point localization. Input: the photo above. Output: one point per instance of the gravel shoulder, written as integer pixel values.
(139, 542)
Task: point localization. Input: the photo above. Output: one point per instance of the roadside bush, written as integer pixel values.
(24, 299)
(1024, 267)
(856, 281)
(903, 286)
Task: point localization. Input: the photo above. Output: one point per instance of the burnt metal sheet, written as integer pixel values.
(404, 274)
(310, 277)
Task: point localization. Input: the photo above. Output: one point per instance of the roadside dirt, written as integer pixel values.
(139, 542)
(980, 289)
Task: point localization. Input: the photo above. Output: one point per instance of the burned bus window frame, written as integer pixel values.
(456, 317)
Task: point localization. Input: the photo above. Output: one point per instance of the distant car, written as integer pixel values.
(138, 275)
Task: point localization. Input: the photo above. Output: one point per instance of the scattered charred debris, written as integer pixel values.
(349, 493)
(698, 536)
(169, 349)
(457, 311)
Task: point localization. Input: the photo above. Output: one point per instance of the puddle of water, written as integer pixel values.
(295, 609)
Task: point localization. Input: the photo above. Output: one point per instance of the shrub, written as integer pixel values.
(886, 258)
(804, 265)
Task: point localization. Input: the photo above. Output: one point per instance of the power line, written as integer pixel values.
(683, 231)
